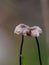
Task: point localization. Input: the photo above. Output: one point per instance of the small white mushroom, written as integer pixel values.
(36, 31)
(21, 29)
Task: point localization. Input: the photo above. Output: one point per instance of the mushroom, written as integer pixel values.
(21, 29)
(36, 31)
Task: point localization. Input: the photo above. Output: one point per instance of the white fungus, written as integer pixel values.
(21, 29)
(36, 31)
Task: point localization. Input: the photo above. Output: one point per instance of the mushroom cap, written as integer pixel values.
(36, 31)
(21, 29)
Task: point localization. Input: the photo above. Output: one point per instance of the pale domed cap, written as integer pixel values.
(21, 29)
(36, 31)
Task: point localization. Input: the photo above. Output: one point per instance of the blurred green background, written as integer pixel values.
(30, 12)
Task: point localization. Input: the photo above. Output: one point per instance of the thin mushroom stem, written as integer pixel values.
(21, 49)
(38, 50)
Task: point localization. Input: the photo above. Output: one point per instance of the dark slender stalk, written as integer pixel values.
(38, 50)
(21, 49)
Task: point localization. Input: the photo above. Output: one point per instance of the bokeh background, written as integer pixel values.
(30, 12)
